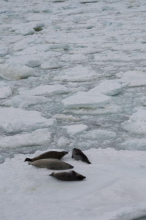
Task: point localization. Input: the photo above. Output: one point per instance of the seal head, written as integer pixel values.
(77, 154)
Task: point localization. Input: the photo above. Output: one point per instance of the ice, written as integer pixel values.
(134, 144)
(133, 78)
(35, 138)
(16, 72)
(65, 117)
(77, 74)
(24, 101)
(86, 100)
(62, 142)
(137, 122)
(109, 87)
(33, 63)
(113, 189)
(44, 90)
(75, 129)
(3, 51)
(5, 92)
(99, 134)
(18, 120)
(51, 64)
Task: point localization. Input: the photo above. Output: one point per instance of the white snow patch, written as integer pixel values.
(77, 74)
(35, 138)
(75, 129)
(18, 120)
(137, 122)
(5, 92)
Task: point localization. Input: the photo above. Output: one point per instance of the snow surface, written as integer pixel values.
(114, 188)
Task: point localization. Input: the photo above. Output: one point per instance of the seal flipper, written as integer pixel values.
(28, 159)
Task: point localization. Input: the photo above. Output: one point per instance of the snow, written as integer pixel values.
(75, 129)
(35, 138)
(137, 122)
(17, 120)
(113, 189)
(44, 90)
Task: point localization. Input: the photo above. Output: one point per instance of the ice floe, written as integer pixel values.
(133, 78)
(35, 138)
(75, 129)
(44, 90)
(17, 120)
(113, 189)
(77, 74)
(99, 134)
(134, 144)
(137, 122)
(24, 101)
(5, 92)
(86, 100)
(16, 72)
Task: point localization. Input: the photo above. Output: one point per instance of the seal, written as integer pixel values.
(68, 176)
(53, 164)
(77, 154)
(49, 154)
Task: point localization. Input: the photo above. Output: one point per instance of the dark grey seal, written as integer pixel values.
(68, 176)
(77, 154)
(53, 164)
(50, 154)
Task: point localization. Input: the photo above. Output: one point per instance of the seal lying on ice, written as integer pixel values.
(77, 154)
(53, 164)
(50, 154)
(68, 176)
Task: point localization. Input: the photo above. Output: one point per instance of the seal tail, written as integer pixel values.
(28, 159)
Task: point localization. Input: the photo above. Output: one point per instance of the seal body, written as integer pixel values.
(53, 164)
(68, 176)
(50, 154)
(77, 154)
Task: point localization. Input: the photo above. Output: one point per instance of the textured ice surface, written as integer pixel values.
(99, 134)
(77, 74)
(35, 138)
(5, 92)
(45, 90)
(86, 100)
(16, 72)
(75, 129)
(137, 122)
(17, 120)
(133, 78)
(23, 101)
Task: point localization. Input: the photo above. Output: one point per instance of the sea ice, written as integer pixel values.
(133, 78)
(137, 122)
(16, 72)
(35, 138)
(86, 100)
(44, 90)
(75, 129)
(77, 74)
(134, 144)
(99, 134)
(5, 92)
(18, 120)
(33, 63)
(24, 101)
